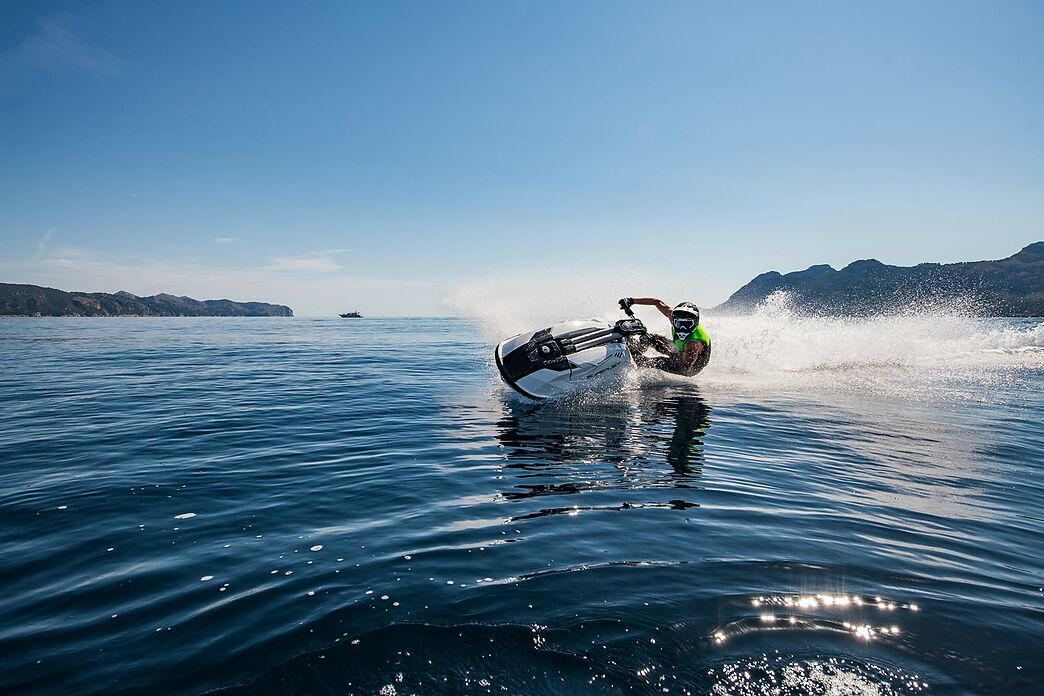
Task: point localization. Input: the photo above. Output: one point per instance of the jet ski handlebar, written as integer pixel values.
(583, 339)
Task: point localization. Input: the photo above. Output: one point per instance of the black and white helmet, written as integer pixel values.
(685, 318)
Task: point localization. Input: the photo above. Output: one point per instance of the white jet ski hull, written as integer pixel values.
(568, 356)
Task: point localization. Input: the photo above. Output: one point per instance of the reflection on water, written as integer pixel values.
(691, 420)
(292, 508)
(787, 676)
(618, 443)
(819, 612)
(626, 430)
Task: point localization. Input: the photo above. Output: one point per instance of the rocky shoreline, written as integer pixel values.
(1010, 287)
(37, 301)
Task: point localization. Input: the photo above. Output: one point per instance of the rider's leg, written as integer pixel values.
(660, 344)
(646, 341)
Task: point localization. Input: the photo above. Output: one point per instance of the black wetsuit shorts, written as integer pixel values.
(671, 361)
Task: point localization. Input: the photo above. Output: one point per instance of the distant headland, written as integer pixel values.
(36, 301)
(1012, 287)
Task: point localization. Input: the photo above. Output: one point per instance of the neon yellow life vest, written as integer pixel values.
(698, 334)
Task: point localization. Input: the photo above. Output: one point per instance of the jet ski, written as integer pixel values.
(567, 356)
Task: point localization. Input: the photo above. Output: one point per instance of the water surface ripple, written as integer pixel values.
(358, 507)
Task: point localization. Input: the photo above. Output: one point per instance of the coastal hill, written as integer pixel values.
(33, 300)
(1011, 287)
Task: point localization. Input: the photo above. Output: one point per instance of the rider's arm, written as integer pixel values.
(659, 304)
(692, 352)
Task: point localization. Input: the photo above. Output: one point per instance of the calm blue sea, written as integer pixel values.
(359, 507)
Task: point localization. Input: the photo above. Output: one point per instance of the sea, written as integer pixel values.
(329, 506)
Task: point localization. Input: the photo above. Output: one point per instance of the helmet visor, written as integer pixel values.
(684, 325)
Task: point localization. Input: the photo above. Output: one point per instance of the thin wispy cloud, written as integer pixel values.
(55, 46)
(66, 256)
(41, 248)
(225, 240)
(315, 262)
(314, 293)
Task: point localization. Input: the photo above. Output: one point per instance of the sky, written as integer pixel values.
(414, 158)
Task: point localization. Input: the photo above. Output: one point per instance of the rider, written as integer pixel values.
(691, 349)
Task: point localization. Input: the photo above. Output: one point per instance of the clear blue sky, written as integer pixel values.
(385, 155)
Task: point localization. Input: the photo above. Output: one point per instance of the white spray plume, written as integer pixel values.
(936, 351)
(509, 304)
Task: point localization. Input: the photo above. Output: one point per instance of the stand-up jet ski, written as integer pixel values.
(567, 356)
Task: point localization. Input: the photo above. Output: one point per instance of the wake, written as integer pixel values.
(938, 352)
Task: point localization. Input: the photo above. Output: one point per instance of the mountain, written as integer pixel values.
(33, 300)
(1008, 287)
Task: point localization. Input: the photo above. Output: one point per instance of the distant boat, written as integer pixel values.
(351, 315)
